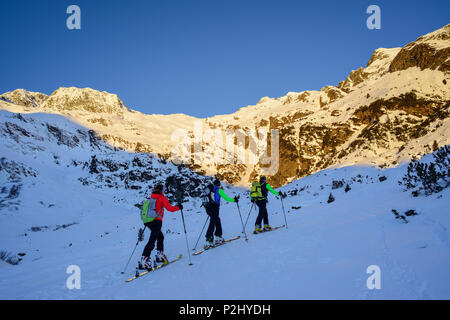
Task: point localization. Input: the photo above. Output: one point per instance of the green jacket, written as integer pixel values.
(223, 195)
(271, 190)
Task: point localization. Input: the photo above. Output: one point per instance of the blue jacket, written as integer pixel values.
(216, 195)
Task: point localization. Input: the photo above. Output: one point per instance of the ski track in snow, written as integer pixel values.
(397, 274)
(267, 261)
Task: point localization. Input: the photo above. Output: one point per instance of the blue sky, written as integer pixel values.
(199, 57)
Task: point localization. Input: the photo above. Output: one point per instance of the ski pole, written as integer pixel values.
(284, 213)
(140, 238)
(249, 214)
(242, 222)
(201, 233)
(185, 234)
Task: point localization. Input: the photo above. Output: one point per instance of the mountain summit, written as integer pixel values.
(75, 100)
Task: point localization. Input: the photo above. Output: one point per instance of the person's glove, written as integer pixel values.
(252, 200)
(283, 195)
(180, 206)
(236, 199)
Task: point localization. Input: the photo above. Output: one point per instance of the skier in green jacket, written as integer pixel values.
(260, 198)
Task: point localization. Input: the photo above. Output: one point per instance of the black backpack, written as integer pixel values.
(208, 195)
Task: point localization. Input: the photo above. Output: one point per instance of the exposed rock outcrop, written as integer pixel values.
(431, 51)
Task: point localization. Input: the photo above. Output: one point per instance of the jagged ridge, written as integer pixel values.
(383, 114)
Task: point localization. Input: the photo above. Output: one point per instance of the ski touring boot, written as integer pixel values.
(161, 257)
(218, 240)
(209, 243)
(145, 263)
(257, 228)
(267, 227)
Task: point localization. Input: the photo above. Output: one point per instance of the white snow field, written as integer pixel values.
(323, 254)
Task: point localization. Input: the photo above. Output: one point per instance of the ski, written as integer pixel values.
(138, 275)
(214, 246)
(274, 228)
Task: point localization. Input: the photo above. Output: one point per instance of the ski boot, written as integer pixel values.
(218, 240)
(145, 263)
(257, 228)
(267, 227)
(161, 257)
(209, 243)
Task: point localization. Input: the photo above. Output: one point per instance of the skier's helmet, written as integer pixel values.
(159, 188)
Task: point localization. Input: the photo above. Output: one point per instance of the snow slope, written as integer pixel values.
(323, 254)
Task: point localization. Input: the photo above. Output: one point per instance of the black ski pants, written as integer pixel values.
(262, 214)
(156, 235)
(214, 221)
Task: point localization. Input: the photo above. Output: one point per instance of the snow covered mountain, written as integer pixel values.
(38, 144)
(383, 114)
